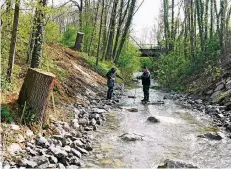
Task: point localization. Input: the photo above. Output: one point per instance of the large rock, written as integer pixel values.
(211, 136)
(131, 137)
(153, 119)
(82, 150)
(176, 164)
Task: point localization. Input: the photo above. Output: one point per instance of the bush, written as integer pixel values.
(69, 36)
(129, 61)
(52, 32)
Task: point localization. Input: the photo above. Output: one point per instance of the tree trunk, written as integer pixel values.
(13, 40)
(35, 92)
(206, 19)
(100, 30)
(211, 18)
(126, 29)
(192, 34)
(37, 51)
(108, 54)
(31, 40)
(79, 41)
(222, 30)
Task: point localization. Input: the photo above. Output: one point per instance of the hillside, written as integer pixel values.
(77, 82)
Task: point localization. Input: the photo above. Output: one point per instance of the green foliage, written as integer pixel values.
(102, 67)
(129, 61)
(179, 64)
(5, 115)
(147, 62)
(52, 32)
(69, 36)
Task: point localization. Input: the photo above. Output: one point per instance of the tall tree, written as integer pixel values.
(100, 30)
(37, 50)
(126, 29)
(111, 33)
(13, 40)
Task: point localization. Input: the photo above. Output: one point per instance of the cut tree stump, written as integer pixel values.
(36, 90)
(79, 41)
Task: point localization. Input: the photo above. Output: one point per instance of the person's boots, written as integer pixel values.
(147, 97)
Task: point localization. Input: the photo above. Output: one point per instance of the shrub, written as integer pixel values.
(69, 36)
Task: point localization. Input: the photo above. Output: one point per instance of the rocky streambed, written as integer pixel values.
(172, 130)
(69, 144)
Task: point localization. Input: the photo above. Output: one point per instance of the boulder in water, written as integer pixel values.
(131, 137)
(152, 119)
(176, 164)
(211, 136)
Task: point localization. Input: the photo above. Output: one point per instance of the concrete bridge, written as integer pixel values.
(150, 50)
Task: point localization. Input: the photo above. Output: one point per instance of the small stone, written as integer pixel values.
(89, 147)
(58, 152)
(211, 136)
(82, 150)
(153, 119)
(93, 122)
(209, 92)
(131, 137)
(88, 128)
(40, 160)
(53, 160)
(75, 124)
(67, 148)
(42, 141)
(61, 166)
(74, 160)
(27, 163)
(78, 143)
(175, 164)
(220, 87)
(83, 121)
(132, 109)
(76, 152)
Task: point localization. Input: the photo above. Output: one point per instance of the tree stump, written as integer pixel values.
(79, 41)
(36, 90)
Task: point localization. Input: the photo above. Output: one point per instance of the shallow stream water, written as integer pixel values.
(175, 137)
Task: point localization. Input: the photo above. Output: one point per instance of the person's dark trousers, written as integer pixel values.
(146, 92)
(109, 92)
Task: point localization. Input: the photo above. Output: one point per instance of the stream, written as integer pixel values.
(175, 137)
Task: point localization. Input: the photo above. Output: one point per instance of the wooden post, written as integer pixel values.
(79, 41)
(36, 90)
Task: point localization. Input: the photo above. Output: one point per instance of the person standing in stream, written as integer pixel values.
(146, 83)
(111, 75)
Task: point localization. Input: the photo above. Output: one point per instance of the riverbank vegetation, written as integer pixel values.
(196, 35)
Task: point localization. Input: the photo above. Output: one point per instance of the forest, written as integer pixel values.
(55, 59)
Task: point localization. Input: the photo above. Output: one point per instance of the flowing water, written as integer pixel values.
(175, 137)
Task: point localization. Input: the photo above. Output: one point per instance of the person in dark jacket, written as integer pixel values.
(111, 75)
(146, 83)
